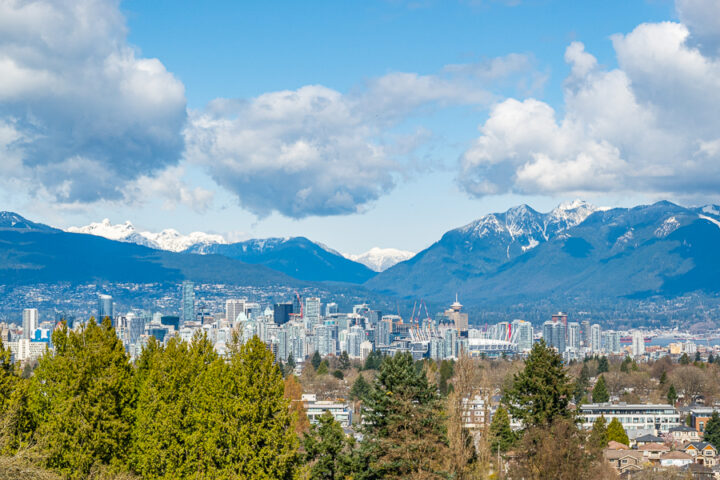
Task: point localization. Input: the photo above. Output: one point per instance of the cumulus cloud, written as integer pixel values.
(650, 125)
(317, 151)
(81, 113)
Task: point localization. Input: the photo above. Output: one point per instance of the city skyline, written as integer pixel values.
(280, 132)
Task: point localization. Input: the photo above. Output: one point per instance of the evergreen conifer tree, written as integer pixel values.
(672, 395)
(8, 377)
(600, 393)
(344, 361)
(328, 452)
(603, 365)
(316, 360)
(598, 439)
(502, 436)
(360, 388)
(542, 390)
(712, 430)
(404, 435)
(616, 433)
(323, 368)
(663, 378)
(684, 359)
(82, 398)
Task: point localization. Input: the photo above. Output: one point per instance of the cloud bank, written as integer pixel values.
(649, 126)
(82, 115)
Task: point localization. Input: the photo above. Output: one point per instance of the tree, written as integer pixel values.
(328, 452)
(8, 377)
(542, 390)
(581, 384)
(502, 436)
(293, 393)
(446, 372)
(264, 444)
(663, 378)
(684, 359)
(598, 439)
(616, 432)
(463, 456)
(712, 430)
(360, 388)
(82, 398)
(316, 360)
(672, 395)
(625, 365)
(603, 365)
(338, 374)
(323, 368)
(373, 361)
(344, 361)
(600, 393)
(697, 357)
(290, 365)
(711, 358)
(557, 451)
(404, 435)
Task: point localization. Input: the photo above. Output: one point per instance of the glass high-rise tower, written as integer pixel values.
(188, 302)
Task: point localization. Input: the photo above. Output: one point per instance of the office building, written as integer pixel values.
(637, 420)
(105, 307)
(281, 312)
(611, 341)
(170, 321)
(595, 338)
(522, 335)
(585, 327)
(29, 322)
(188, 302)
(233, 308)
(554, 335)
(312, 312)
(331, 309)
(573, 335)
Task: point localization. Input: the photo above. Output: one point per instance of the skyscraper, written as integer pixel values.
(522, 335)
(281, 312)
(574, 335)
(105, 307)
(638, 343)
(312, 311)
(460, 320)
(233, 308)
(586, 333)
(554, 335)
(595, 338)
(188, 302)
(30, 322)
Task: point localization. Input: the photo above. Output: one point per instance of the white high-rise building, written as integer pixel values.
(638, 343)
(233, 308)
(595, 338)
(574, 336)
(30, 322)
(312, 312)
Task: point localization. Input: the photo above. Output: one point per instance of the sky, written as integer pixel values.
(356, 124)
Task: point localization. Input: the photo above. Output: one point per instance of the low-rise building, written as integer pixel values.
(675, 459)
(624, 461)
(636, 419)
(684, 434)
(342, 412)
(703, 453)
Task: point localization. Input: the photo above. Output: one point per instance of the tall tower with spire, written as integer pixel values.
(459, 319)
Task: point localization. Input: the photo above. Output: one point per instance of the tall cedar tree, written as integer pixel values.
(360, 389)
(179, 424)
(542, 390)
(502, 436)
(672, 395)
(261, 427)
(82, 399)
(603, 365)
(712, 430)
(328, 451)
(404, 435)
(616, 432)
(316, 360)
(344, 361)
(600, 392)
(581, 384)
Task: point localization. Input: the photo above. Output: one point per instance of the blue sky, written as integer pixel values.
(357, 124)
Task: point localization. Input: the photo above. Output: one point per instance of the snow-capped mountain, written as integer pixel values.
(380, 259)
(168, 239)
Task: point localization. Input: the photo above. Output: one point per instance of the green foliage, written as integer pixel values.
(501, 435)
(625, 365)
(328, 452)
(616, 433)
(598, 439)
(82, 399)
(663, 378)
(581, 384)
(712, 430)
(8, 377)
(697, 357)
(711, 358)
(323, 368)
(603, 365)
(404, 434)
(600, 393)
(542, 390)
(338, 374)
(360, 389)
(290, 366)
(316, 360)
(373, 361)
(672, 395)
(684, 359)
(344, 361)
(688, 420)
(447, 368)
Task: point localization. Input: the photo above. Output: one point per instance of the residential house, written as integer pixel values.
(703, 453)
(684, 434)
(675, 459)
(653, 451)
(624, 461)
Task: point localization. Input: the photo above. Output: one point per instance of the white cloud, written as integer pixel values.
(650, 126)
(316, 151)
(89, 116)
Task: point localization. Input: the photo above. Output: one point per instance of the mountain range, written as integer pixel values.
(575, 254)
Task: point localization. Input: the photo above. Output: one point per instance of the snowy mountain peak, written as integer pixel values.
(168, 239)
(380, 259)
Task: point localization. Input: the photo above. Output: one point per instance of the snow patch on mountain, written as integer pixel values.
(709, 219)
(168, 239)
(380, 259)
(668, 226)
